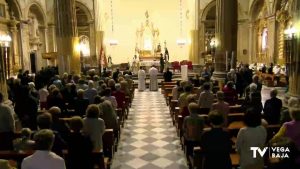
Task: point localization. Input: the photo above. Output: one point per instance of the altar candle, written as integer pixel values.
(226, 60)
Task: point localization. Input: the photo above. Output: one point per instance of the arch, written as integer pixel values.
(276, 6)
(37, 9)
(86, 10)
(294, 6)
(255, 9)
(240, 11)
(14, 6)
(207, 9)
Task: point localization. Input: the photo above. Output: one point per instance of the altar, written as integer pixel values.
(146, 55)
(148, 63)
(148, 47)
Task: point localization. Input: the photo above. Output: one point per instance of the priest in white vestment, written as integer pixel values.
(142, 79)
(153, 79)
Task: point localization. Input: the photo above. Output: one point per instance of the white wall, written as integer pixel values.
(128, 16)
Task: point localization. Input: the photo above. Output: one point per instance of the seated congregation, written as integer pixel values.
(63, 122)
(218, 125)
(75, 122)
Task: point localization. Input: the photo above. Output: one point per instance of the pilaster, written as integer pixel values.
(15, 57)
(67, 37)
(226, 35)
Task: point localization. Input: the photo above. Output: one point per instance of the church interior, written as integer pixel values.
(139, 84)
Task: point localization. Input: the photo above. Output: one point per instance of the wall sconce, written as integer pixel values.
(213, 43)
(5, 40)
(113, 42)
(181, 42)
(290, 44)
(290, 32)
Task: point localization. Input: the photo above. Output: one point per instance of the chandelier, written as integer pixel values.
(112, 41)
(180, 41)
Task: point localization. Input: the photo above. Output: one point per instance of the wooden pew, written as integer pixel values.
(109, 140)
(240, 101)
(163, 84)
(179, 126)
(120, 114)
(235, 117)
(98, 157)
(167, 92)
(109, 143)
(127, 106)
(235, 109)
(173, 104)
(176, 114)
(196, 160)
(272, 130)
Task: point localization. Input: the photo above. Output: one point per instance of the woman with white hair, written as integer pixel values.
(91, 92)
(231, 75)
(253, 99)
(293, 102)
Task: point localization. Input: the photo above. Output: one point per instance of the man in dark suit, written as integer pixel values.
(168, 75)
(272, 108)
(116, 75)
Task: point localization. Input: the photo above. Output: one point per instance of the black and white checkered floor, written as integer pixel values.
(149, 139)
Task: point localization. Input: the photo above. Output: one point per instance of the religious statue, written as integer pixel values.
(162, 63)
(34, 27)
(158, 48)
(166, 55)
(135, 64)
(109, 62)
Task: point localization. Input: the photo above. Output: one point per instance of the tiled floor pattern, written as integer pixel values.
(149, 139)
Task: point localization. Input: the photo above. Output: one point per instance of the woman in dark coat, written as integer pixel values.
(216, 144)
(80, 146)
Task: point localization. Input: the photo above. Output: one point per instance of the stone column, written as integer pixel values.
(243, 39)
(51, 36)
(282, 17)
(67, 37)
(15, 57)
(294, 71)
(226, 35)
(25, 49)
(93, 56)
(201, 42)
(45, 42)
(250, 48)
(280, 48)
(271, 52)
(3, 86)
(194, 33)
(45, 32)
(194, 47)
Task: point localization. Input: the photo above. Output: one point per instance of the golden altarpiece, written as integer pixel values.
(147, 41)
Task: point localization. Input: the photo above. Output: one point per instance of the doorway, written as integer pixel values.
(33, 62)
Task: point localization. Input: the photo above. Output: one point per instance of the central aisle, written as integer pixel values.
(149, 139)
